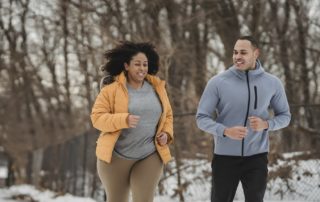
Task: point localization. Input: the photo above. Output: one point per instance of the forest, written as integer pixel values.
(51, 52)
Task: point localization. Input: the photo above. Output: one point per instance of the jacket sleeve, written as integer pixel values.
(280, 107)
(102, 117)
(206, 109)
(168, 125)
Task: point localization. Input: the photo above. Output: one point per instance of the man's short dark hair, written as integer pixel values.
(253, 41)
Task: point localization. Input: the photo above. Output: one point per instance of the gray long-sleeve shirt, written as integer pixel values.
(234, 96)
(137, 143)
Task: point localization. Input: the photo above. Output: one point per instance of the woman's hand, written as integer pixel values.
(162, 138)
(133, 120)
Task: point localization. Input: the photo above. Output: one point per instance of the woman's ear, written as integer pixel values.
(126, 66)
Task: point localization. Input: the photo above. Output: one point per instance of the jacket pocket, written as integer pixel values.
(105, 145)
(255, 97)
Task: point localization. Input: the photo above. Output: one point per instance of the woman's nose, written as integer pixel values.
(142, 67)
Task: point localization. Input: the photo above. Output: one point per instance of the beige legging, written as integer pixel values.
(122, 175)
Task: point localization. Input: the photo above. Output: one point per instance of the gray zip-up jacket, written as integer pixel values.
(231, 97)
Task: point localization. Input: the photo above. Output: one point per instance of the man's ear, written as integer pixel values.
(256, 53)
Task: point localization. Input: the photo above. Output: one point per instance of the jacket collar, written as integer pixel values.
(251, 73)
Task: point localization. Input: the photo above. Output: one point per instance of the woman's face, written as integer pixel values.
(137, 69)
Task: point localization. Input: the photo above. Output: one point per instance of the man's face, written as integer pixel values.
(244, 55)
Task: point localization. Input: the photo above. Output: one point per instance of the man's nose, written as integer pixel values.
(237, 56)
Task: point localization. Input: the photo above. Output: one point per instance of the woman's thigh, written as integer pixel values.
(115, 177)
(145, 176)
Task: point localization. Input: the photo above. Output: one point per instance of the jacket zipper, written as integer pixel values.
(248, 107)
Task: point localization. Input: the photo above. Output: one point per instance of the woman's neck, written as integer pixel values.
(135, 85)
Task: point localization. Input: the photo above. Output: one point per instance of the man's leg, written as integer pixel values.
(225, 178)
(254, 177)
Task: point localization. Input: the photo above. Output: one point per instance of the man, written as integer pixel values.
(241, 97)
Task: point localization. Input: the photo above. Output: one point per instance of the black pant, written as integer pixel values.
(227, 171)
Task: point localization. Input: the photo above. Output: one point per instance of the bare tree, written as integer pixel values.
(48, 84)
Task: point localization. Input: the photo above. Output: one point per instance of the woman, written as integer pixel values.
(135, 118)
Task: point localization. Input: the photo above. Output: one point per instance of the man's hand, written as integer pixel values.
(133, 120)
(236, 132)
(162, 138)
(257, 124)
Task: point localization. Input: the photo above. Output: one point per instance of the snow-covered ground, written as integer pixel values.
(48, 196)
(290, 181)
(40, 196)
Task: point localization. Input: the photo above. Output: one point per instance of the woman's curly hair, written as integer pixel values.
(124, 52)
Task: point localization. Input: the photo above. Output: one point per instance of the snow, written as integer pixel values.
(301, 185)
(41, 196)
(3, 172)
(48, 196)
(297, 180)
